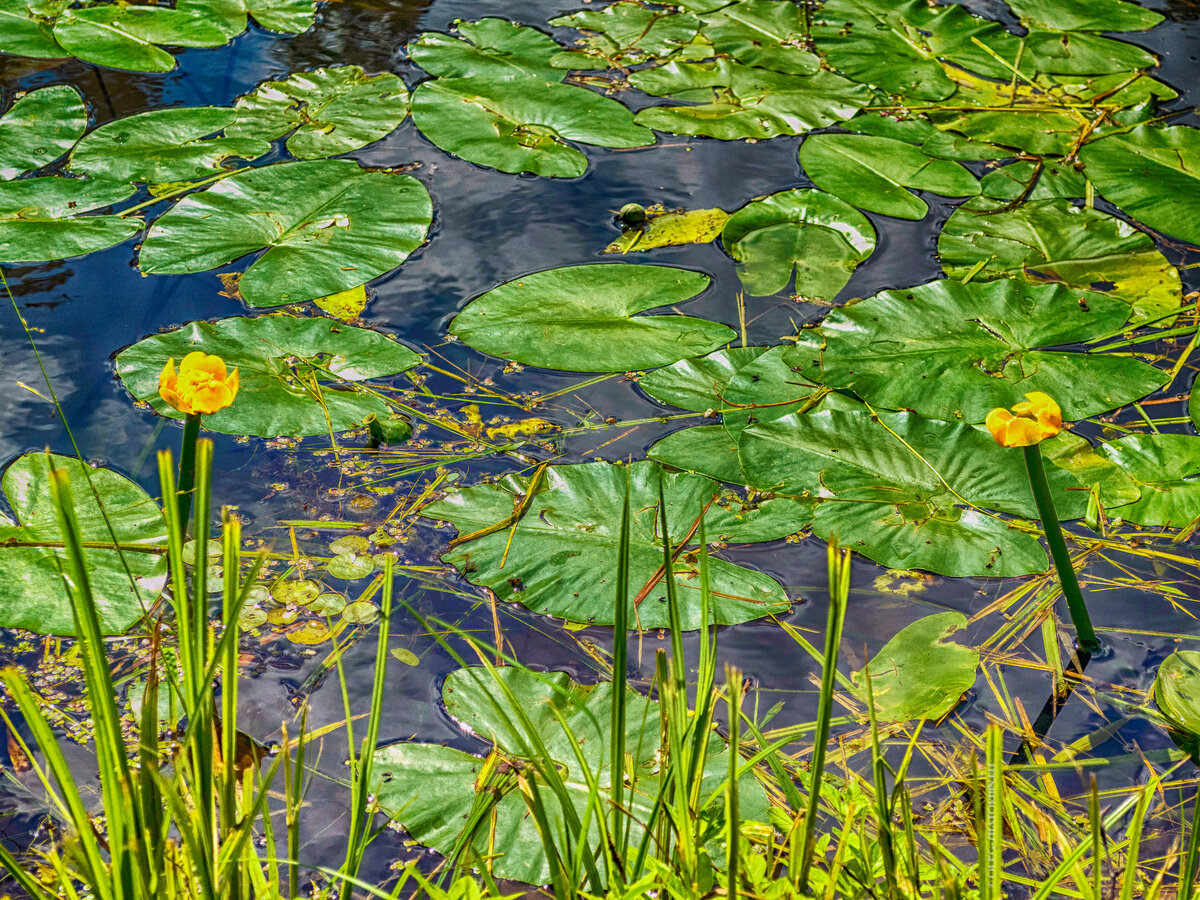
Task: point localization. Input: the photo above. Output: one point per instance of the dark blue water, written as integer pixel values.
(489, 228)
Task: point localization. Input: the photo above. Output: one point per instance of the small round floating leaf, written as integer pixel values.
(1055, 241)
(32, 592)
(1153, 174)
(406, 656)
(295, 592)
(949, 350)
(360, 612)
(162, 145)
(816, 235)
(875, 173)
(40, 127)
(212, 551)
(489, 47)
(431, 789)
(522, 124)
(297, 375)
(1177, 694)
(583, 318)
(351, 543)
(252, 617)
(327, 604)
(284, 615)
(328, 110)
(327, 225)
(310, 634)
(563, 549)
(919, 673)
(349, 566)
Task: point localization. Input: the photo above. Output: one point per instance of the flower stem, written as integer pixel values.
(1058, 549)
(187, 467)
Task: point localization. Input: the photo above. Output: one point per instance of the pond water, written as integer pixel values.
(490, 228)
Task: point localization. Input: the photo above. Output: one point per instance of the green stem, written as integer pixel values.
(187, 468)
(1058, 549)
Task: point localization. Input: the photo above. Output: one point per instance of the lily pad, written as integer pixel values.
(1096, 472)
(699, 383)
(40, 127)
(1153, 175)
(1034, 180)
(32, 591)
(626, 33)
(562, 551)
(1055, 241)
(906, 491)
(582, 318)
(932, 141)
(26, 29)
(327, 111)
(762, 33)
(919, 673)
(298, 376)
(45, 218)
(670, 229)
(873, 173)
(125, 37)
(1166, 468)
(1086, 15)
(163, 145)
(487, 48)
(949, 350)
(731, 101)
(816, 235)
(522, 124)
(327, 226)
(431, 789)
(1177, 695)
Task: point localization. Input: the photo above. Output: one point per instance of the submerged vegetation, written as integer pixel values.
(1045, 153)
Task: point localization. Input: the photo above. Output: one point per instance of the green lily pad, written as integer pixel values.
(731, 101)
(906, 491)
(1166, 468)
(284, 16)
(1096, 472)
(327, 111)
(1153, 174)
(699, 383)
(1086, 15)
(39, 128)
(562, 553)
(582, 318)
(430, 789)
(919, 673)
(327, 226)
(1055, 241)
(26, 29)
(360, 612)
(32, 592)
(163, 145)
(816, 235)
(125, 37)
(874, 172)
(949, 350)
(671, 229)
(762, 33)
(487, 48)
(1034, 180)
(299, 593)
(1177, 695)
(932, 141)
(351, 543)
(626, 33)
(1084, 53)
(349, 566)
(298, 376)
(522, 124)
(45, 218)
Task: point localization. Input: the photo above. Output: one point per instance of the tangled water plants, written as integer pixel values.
(586, 426)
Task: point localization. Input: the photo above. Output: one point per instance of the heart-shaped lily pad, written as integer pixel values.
(326, 224)
(298, 376)
(124, 582)
(489, 47)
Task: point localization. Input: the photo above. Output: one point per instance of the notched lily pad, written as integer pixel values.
(489, 47)
(1166, 469)
(298, 376)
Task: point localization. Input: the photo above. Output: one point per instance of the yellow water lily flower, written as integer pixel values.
(1027, 423)
(201, 385)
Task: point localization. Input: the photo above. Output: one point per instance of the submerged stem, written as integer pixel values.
(1058, 549)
